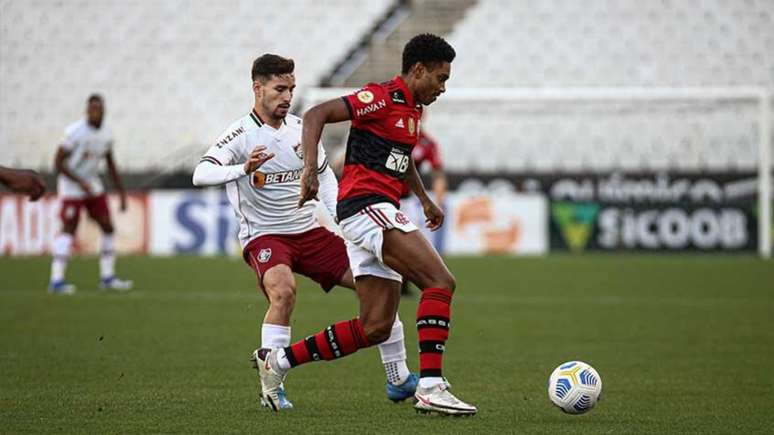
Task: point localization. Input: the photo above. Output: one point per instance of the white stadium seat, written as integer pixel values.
(611, 43)
(174, 73)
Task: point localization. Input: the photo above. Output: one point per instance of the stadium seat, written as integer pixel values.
(173, 73)
(609, 43)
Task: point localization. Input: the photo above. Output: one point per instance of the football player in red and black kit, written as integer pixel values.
(382, 243)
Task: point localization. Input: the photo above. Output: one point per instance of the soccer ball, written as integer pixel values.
(574, 387)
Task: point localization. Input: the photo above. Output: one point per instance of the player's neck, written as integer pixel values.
(266, 119)
(95, 125)
(410, 85)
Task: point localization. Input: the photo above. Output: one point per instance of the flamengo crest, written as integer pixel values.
(401, 218)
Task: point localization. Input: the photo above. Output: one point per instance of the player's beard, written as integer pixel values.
(280, 112)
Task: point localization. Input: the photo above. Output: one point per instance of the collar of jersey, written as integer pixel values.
(402, 85)
(260, 122)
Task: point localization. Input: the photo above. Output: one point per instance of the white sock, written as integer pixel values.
(275, 336)
(61, 250)
(107, 257)
(393, 353)
(283, 364)
(430, 381)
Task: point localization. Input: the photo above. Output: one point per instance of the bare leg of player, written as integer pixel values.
(378, 316)
(411, 255)
(401, 383)
(280, 287)
(378, 306)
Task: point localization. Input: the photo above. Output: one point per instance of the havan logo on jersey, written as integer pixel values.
(381, 104)
(260, 179)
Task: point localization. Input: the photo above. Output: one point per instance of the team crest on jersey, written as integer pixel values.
(411, 125)
(401, 218)
(365, 97)
(299, 151)
(264, 255)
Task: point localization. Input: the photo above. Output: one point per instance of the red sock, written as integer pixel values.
(433, 317)
(333, 342)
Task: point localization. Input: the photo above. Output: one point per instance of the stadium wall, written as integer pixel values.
(526, 214)
(201, 222)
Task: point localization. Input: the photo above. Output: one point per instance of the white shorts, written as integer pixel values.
(364, 233)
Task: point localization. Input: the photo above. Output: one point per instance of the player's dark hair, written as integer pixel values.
(269, 65)
(95, 98)
(428, 49)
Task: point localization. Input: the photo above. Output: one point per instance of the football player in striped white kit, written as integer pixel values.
(86, 144)
(260, 161)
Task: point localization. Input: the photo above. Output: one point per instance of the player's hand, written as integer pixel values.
(258, 157)
(86, 188)
(309, 185)
(27, 182)
(433, 214)
(123, 206)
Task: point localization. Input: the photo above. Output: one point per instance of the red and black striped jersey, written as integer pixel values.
(385, 129)
(427, 151)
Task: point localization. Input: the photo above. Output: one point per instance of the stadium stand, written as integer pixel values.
(606, 43)
(615, 43)
(167, 96)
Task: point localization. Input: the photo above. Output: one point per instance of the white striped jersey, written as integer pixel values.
(87, 146)
(266, 201)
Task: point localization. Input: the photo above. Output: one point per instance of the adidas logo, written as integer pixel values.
(399, 124)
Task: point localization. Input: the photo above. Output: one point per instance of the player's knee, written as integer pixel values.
(445, 280)
(377, 331)
(282, 297)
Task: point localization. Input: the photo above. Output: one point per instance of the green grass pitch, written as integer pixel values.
(684, 344)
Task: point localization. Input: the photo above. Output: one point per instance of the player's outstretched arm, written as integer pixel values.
(329, 112)
(208, 173)
(116, 178)
(23, 181)
(433, 214)
(60, 164)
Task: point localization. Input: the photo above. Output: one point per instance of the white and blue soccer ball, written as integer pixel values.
(574, 387)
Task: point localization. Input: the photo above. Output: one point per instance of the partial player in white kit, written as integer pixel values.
(78, 159)
(259, 159)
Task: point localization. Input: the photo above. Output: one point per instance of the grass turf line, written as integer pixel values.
(683, 344)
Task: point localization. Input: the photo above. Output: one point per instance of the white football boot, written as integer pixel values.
(115, 284)
(265, 361)
(439, 399)
(61, 287)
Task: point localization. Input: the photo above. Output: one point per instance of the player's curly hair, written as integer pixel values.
(269, 64)
(428, 49)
